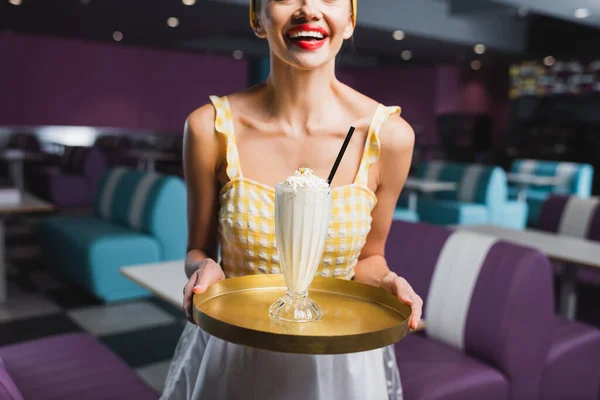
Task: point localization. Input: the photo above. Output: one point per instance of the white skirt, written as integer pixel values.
(205, 367)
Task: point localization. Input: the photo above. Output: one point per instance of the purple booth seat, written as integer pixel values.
(573, 216)
(110, 143)
(431, 370)
(489, 313)
(74, 183)
(65, 367)
(8, 389)
(573, 365)
(113, 146)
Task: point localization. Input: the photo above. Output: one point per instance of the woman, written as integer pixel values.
(236, 149)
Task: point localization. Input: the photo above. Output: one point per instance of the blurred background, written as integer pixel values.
(504, 98)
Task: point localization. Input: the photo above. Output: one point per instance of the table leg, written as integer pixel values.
(16, 172)
(3, 271)
(568, 292)
(412, 201)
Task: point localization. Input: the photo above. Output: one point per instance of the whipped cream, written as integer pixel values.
(305, 178)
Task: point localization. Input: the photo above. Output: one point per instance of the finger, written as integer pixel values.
(407, 295)
(210, 274)
(417, 310)
(187, 293)
(188, 296)
(205, 278)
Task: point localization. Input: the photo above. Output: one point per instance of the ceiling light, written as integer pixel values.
(549, 61)
(238, 54)
(85, 2)
(479, 48)
(582, 13)
(118, 36)
(476, 65)
(15, 2)
(173, 22)
(188, 2)
(406, 55)
(398, 35)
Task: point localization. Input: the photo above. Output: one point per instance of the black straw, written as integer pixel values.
(340, 155)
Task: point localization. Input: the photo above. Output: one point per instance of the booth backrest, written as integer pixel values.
(146, 202)
(487, 298)
(73, 159)
(572, 216)
(575, 178)
(476, 183)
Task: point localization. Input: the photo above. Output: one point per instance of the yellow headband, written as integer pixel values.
(253, 14)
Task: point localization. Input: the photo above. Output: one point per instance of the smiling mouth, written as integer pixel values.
(306, 36)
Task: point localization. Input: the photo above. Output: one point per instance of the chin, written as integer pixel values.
(310, 62)
(307, 60)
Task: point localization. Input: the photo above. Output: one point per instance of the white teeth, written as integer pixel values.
(314, 34)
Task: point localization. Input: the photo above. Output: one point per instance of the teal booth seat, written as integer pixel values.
(574, 179)
(480, 197)
(138, 218)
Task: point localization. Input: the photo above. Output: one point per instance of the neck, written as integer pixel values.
(298, 97)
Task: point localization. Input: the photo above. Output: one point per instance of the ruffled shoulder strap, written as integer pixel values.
(224, 125)
(372, 146)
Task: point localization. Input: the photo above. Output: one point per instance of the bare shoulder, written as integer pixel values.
(397, 140)
(200, 124)
(248, 100)
(202, 147)
(396, 136)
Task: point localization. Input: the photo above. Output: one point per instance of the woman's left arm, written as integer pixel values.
(397, 142)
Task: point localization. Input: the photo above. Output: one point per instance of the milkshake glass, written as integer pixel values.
(302, 212)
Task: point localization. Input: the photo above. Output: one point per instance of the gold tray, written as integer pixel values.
(356, 317)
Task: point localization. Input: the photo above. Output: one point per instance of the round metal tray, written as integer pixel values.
(356, 317)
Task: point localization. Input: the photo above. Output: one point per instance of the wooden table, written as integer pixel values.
(414, 185)
(29, 204)
(573, 252)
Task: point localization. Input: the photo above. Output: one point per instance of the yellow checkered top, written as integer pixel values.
(247, 210)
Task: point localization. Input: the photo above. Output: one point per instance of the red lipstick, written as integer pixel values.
(307, 42)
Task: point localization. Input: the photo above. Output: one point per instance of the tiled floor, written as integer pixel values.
(142, 333)
(120, 318)
(154, 374)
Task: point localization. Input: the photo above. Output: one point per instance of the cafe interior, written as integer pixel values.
(497, 227)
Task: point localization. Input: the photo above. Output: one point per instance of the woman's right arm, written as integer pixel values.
(200, 165)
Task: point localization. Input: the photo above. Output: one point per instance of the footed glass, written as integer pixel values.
(301, 222)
